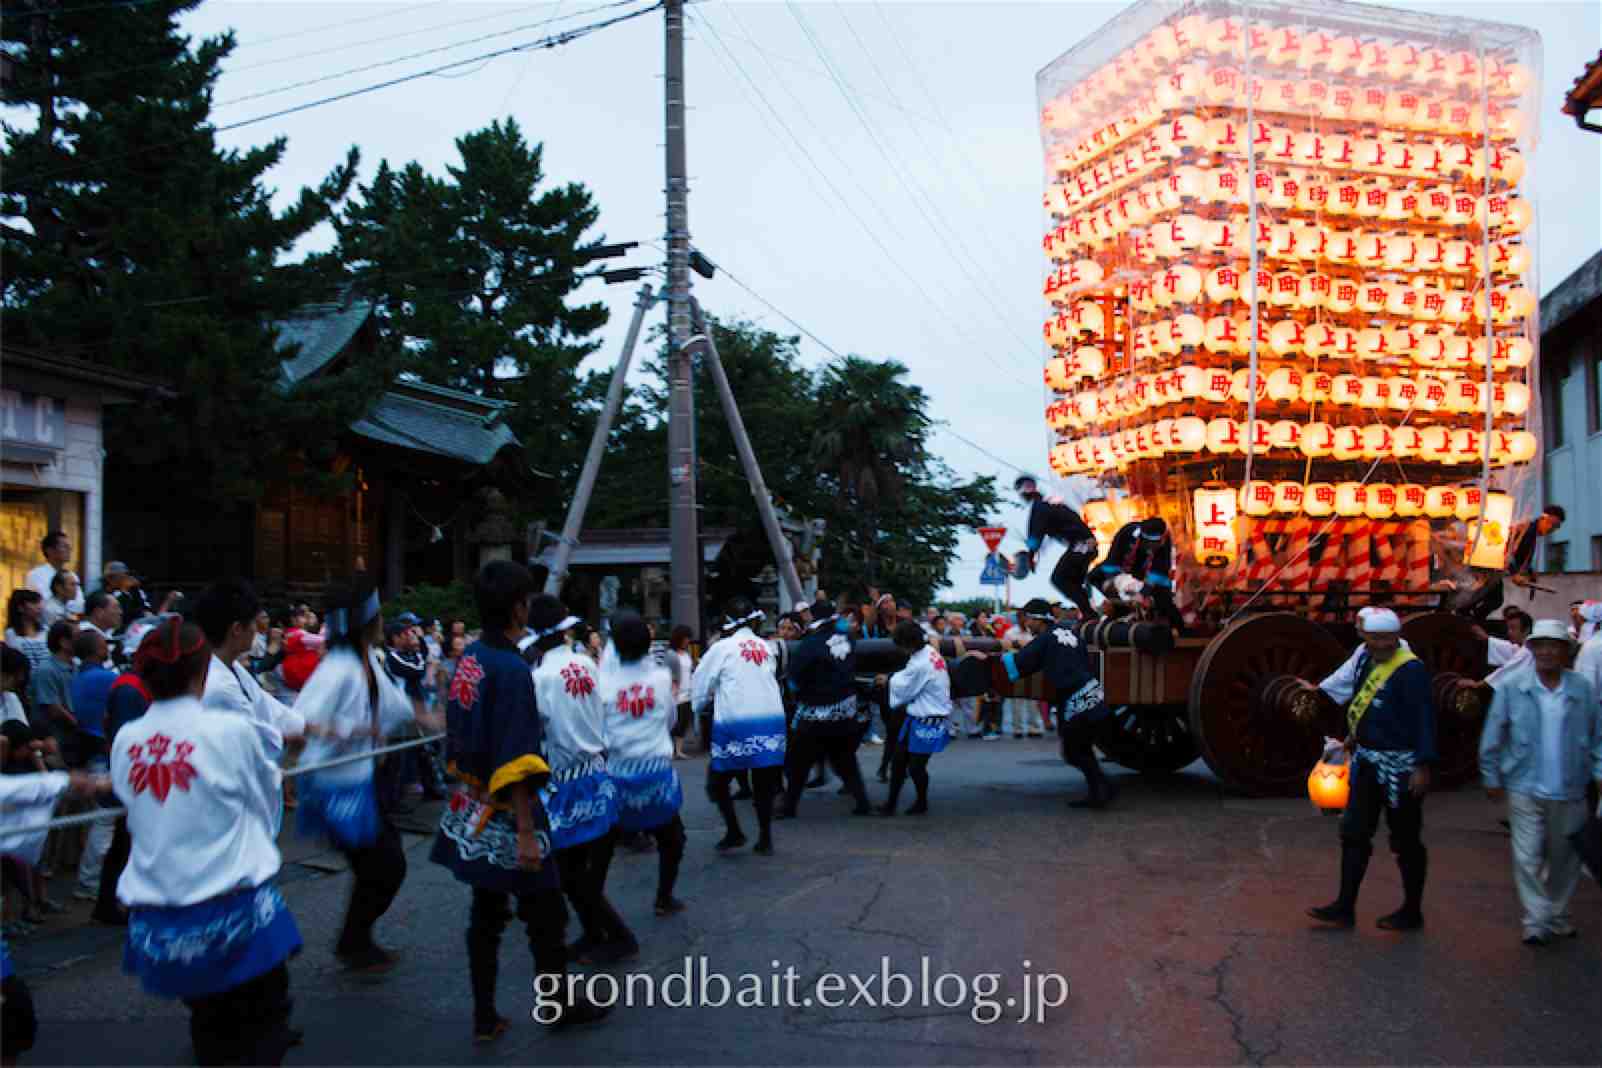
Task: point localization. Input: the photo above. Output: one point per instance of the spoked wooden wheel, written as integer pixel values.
(1457, 661)
(1251, 710)
(1149, 738)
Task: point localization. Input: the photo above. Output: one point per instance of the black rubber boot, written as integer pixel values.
(733, 837)
(1354, 865)
(1410, 917)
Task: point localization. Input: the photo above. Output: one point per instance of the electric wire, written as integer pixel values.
(806, 156)
(913, 189)
(418, 55)
(547, 42)
(981, 283)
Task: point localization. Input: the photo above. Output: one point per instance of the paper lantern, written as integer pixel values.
(1515, 397)
(1518, 217)
(1489, 535)
(1348, 443)
(1057, 374)
(1319, 499)
(1215, 385)
(1523, 447)
(1406, 442)
(1376, 441)
(1085, 272)
(1317, 341)
(1342, 296)
(1381, 502)
(1519, 352)
(1435, 445)
(1088, 318)
(1329, 785)
(1315, 290)
(1462, 396)
(1089, 362)
(1257, 498)
(1404, 392)
(1288, 497)
(1376, 392)
(1346, 390)
(1351, 499)
(1284, 383)
(1467, 445)
(1440, 502)
(1318, 440)
(1240, 385)
(1223, 283)
(1286, 290)
(1410, 501)
(1188, 434)
(1287, 338)
(1213, 511)
(1186, 331)
(1224, 436)
(1222, 335)
(1431, 394)
(1469, 500)
(1186, 381)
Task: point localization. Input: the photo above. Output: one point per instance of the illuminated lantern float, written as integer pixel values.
(1290, 306)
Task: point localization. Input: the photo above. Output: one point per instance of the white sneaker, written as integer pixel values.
(873, 739)
(1561, 929)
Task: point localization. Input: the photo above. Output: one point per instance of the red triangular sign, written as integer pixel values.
(992, 536)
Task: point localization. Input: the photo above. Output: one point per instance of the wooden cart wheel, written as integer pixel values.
(1155, 739)
(1259, 727)
(1457, 661)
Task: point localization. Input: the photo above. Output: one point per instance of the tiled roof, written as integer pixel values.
(410, 422)
(1587, 90)
(1573, 293)
(322, 331)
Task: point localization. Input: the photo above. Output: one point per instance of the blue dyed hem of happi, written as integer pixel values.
(581, 801)
(925, 737)
(346, 815)
(747, 743)
(648, 793)
(479, 846)
(197, 950)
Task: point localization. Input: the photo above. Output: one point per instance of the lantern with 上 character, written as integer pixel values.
(1214, 515)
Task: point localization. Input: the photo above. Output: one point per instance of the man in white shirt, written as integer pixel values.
(57, 550)
(1542, 743)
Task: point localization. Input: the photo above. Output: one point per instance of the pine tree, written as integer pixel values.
(472, 274)
(132, 239)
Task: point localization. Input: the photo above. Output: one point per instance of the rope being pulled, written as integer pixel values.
(100, 814)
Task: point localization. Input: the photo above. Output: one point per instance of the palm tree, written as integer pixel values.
(871, 423)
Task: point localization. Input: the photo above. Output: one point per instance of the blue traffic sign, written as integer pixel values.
(994, 574)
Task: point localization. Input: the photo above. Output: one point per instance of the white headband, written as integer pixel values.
(734, 624)
(569, 621)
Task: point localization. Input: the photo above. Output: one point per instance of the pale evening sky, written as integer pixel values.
(899, 218)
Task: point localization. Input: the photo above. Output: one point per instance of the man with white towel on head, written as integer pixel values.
(1390, 716)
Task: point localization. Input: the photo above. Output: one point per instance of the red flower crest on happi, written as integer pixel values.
(937, 662)
(636, 700)
(464, 684)
(157, 773)
(579, 682)
(754, 652)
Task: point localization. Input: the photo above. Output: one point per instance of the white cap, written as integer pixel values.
(1375, 620)
(1550, 630)
(1591, 611)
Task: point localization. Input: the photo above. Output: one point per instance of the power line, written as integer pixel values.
(867, 229)
(830, 349)
(551, 41)
(980, 284)
(418, 55)
(348, 46)
(914, 190)
(338, 25)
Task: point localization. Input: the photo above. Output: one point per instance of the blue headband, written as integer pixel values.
(337, 619)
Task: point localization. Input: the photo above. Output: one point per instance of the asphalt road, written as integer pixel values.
(1176, 921)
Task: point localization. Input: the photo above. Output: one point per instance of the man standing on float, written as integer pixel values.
(1057, 520)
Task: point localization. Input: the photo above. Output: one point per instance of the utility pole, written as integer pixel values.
(682, 516)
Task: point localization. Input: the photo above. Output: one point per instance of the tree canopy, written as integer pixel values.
(472, 274)
(133, 240)
(847, 444)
